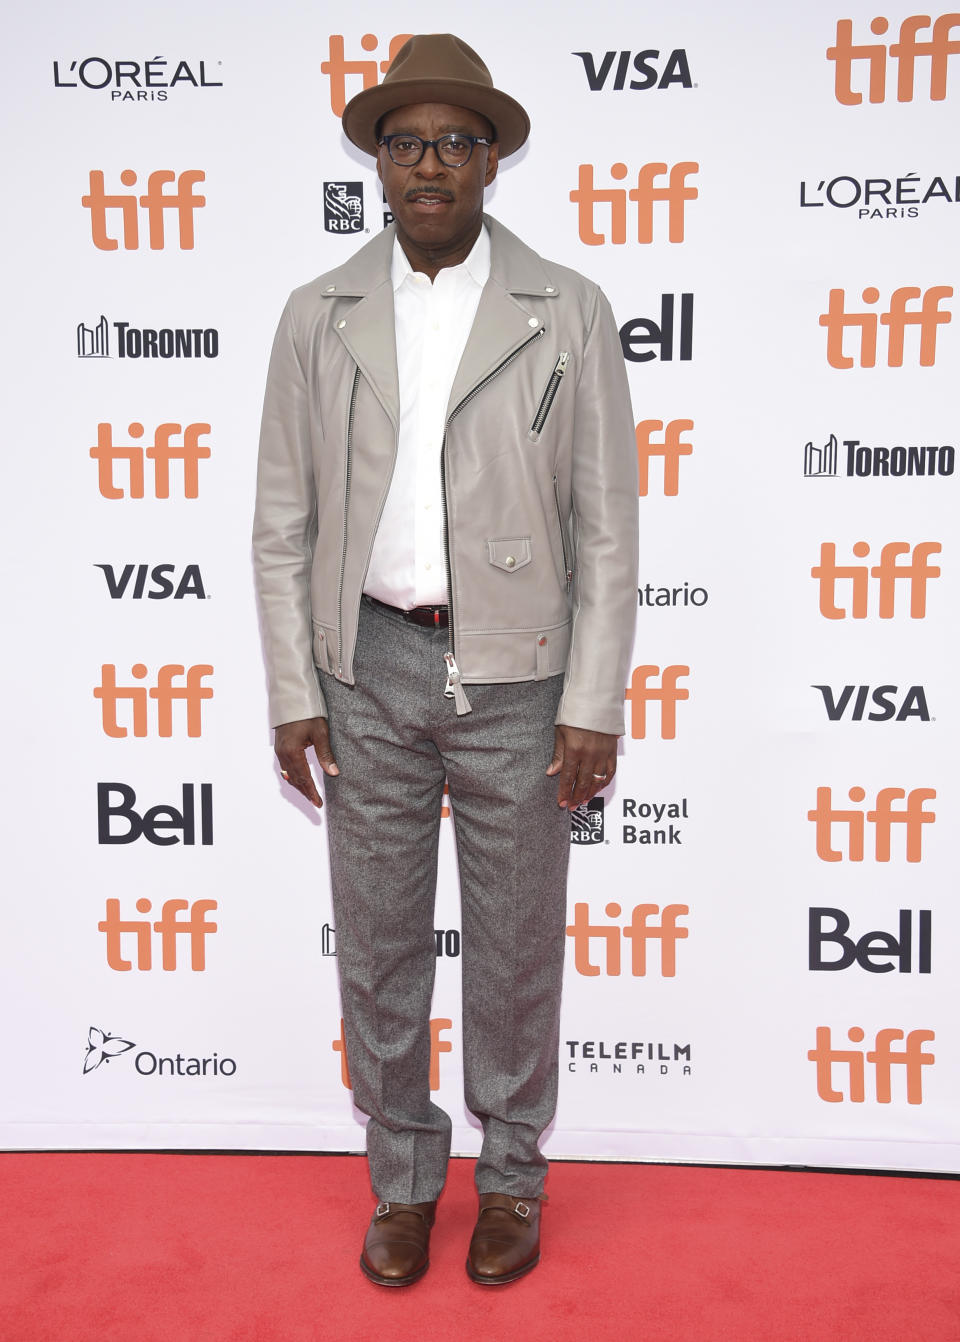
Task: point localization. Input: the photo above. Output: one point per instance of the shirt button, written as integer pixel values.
(341, 323)
(533, 321)
(330, 289)
(549, 289)
(427, 567)
(510, 561)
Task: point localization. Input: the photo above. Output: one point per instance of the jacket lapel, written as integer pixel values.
(369, 335)
(502, 324)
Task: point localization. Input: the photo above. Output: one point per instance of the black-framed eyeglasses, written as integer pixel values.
(452, 150)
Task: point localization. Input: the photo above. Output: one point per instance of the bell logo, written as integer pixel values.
(437, 1046)
(883, 816)
(675, 193)
(155, 203)
(192, 692)
(667, 694)
(928, 317)
(888, 573)
(671, 448)
(170, 928)
(337, 67)
(939, 47)
(639, 931)
(191, 452)
(882, 1056)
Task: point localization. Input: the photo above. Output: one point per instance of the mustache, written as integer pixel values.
(437, 191)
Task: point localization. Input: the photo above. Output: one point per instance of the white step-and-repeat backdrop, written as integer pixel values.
(762, 909)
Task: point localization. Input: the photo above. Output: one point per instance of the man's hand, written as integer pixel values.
(585, 762)
(290, 746)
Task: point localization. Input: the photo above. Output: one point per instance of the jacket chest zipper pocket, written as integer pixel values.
(550, 393)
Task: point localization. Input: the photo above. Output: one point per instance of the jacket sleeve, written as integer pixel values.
(285, 531)
(605, 524)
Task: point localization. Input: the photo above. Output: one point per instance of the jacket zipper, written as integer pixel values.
(563, 534)
(553, 386)
(346, 507)
(454, 688)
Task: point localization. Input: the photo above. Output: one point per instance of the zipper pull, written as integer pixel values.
(454, 689)
(561, 367)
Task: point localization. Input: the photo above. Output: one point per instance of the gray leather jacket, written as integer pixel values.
(539, 470)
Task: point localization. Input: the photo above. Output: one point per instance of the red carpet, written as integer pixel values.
(139, 1248)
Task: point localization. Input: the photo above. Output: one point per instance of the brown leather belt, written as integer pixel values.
(427, 617)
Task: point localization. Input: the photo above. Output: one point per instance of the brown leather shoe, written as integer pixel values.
(506, 1239)
(397, 1246)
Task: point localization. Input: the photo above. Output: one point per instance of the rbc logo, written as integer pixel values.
(586, 822)
(154, 203)
(337, 67)
(938, 48)
(343, 207)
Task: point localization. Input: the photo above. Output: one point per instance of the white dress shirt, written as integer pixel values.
(432, 321)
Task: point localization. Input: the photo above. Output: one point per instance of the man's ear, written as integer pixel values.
(493, 162)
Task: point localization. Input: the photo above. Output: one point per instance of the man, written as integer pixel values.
(446, 530)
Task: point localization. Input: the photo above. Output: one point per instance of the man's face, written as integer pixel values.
(437, 209)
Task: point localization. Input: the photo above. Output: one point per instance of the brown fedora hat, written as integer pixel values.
(436, 68)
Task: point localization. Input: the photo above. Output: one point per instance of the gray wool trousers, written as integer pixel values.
(396, 738)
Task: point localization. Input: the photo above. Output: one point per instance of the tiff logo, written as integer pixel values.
(336, 67)
(883, 1058)
(169, 927)
(161, 452)
(667, 694)
(821, 461)
(671, 447)
(638, 932)
(939, 47)
(437, 1046)
(193, 692)
(912, 817)
(928, 317)
(93, 342)
(916, 572)
(155, 202)
(674, 194)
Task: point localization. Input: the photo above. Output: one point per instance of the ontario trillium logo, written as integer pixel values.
(101, 1047)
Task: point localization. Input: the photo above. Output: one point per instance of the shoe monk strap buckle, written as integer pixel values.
(383, 1209)
(521, 1209)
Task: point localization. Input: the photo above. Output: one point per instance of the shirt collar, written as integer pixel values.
(476, 265)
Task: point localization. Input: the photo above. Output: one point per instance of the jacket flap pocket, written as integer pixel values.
(509, 552)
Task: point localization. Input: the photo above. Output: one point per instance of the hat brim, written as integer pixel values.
(362, 113)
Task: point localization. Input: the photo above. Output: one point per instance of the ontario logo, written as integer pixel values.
(103, 1047)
